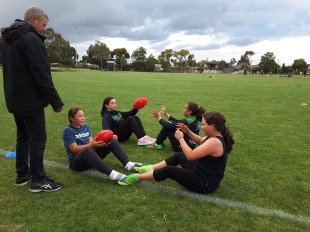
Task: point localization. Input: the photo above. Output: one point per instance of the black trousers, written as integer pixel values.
(130, 125)
(185, 176)
(30, 144)
(93, 158)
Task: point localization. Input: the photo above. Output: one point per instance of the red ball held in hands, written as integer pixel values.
(104, 136)
(140, 103)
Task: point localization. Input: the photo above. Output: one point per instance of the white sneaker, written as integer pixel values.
(151, 139)
(144, 141)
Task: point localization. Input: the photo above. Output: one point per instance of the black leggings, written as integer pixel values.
(185, 176)
(93, 158)
(130, 125)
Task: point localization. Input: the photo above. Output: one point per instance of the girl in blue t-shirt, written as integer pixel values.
(84, 152)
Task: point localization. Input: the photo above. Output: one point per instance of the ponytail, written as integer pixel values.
(196, 110)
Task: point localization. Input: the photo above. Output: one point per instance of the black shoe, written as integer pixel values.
(22, 179)
(46, 185)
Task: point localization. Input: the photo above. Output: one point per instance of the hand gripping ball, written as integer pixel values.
(104, 136)
(140, 103)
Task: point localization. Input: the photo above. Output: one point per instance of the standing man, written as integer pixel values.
(28, 89)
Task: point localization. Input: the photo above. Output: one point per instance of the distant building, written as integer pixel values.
(158, 68)
(110, 65)
(212, 65)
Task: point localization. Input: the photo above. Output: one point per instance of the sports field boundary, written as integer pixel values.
(201, 197)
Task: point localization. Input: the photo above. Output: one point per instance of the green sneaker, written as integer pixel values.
(143, 169)
(128, 180)
(155, 146)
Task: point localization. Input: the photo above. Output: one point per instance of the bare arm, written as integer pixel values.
(212, 146)
(92, 143)
(164, 111)
(196, 138)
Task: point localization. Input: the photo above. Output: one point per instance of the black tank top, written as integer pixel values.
(211, 169)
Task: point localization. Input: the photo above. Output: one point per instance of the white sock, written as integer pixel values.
(130, 165)
(114, 175)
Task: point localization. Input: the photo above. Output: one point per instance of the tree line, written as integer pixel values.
(60, 52)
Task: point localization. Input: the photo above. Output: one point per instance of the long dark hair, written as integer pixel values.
(106, 101)
(218, 120)
(197, 111)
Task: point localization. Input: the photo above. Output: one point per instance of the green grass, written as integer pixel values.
(268, 168)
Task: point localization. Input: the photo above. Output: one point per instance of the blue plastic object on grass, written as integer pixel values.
(11, 154)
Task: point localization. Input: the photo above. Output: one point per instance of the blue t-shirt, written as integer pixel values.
(79, 136)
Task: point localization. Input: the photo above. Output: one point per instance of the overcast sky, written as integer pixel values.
(213, 30)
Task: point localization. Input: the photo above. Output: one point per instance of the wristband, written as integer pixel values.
(180, 138)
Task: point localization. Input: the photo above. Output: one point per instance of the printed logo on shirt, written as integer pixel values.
(117, 117)
(82, 135)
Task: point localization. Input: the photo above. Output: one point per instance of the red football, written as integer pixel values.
(139, 103)
(104, 136)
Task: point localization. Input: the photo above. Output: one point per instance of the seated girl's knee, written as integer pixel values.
(89, 150)
(113, 141)
(131, 118)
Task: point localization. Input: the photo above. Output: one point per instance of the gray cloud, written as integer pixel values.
(210, 46)
(242, 40)
(241, 22)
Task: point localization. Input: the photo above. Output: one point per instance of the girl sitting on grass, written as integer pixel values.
(192, 113)
(84, 152)
(123, 124)
(203, 168)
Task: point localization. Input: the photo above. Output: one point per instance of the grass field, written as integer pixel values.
(267, 181)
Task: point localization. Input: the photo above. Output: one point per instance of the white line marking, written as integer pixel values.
(3, 152)
(202, 197)
(234, 204)
(215, 200)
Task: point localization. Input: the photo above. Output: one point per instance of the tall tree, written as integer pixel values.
(232, 62)
(84, 59)
(120, 55)
(165, 58)
(285, 69)
(221, 65)
(191, 60)
(181, 59)
(268, 63)
(245, 60)
(201, 65)
(138, 65)
(58, 49)
(139, 54)
(300, 65)
(98, 53)
(150, 63)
